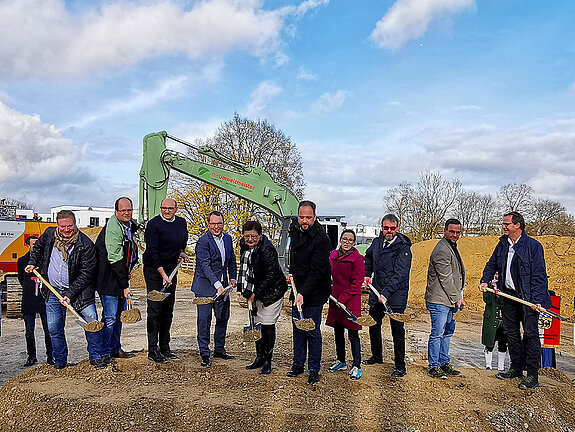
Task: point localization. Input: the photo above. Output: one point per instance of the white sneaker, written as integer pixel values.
(338, 366)
(355, 373)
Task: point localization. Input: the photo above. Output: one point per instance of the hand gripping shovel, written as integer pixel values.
(159, 296)
(363, 320)
(89, 324)
(131, 315)
(544, 311)
(394, 316)
(252, 332)
(305, 324)
(208, 300)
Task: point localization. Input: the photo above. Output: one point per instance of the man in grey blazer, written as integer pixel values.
(443, 298)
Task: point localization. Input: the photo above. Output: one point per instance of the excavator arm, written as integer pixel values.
(253, 184)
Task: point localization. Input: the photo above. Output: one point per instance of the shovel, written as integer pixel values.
(363, 320)
(131, 315)
(305, 324)
(208, 300)
(89, 324)
(526, 303)
(252, 332)
(394, 316)
(159, 296)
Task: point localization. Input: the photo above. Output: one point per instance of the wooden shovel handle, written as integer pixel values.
(58, 295)
(526, 303)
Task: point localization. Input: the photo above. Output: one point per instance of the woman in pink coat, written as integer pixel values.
(347, 269)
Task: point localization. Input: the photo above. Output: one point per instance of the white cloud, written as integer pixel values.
(51, 41)
(409, 19)
(260, 98)
(303, 7)
(138, 100)
(304, 75)
(329, 102)
(31, 150)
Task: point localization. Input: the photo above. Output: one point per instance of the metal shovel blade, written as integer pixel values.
(157, 296)
(202, 300)
(365, 321)
(92, 326)
(252, 334)
(131, 316)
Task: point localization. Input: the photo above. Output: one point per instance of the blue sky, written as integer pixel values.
(371, 91)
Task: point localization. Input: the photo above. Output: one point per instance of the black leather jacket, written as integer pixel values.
(270, 282)
(81, 268)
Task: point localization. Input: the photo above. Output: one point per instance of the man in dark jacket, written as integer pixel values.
(32, 304)
(519, 261)
(166, 240)
(66, 258)
(388, 259)
(215, 268)
(311, 272)
(117, 255)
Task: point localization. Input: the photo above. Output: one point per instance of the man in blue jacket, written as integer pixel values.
(520, 262)
(216, 268)
(389, 260)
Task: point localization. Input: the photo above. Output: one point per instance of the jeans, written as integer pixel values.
(442, 328)
(112, 308)
(30, 323)
(222, 313)
(94, 339)
(56, 314)
(307, 340)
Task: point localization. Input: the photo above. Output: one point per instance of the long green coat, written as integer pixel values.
(490, 320)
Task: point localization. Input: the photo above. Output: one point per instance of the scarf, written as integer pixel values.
(341, 254)
(64, 243)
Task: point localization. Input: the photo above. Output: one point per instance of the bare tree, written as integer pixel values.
(477, 213)
(423, 207)
(544, 217)
(254, 143)
(516, 197)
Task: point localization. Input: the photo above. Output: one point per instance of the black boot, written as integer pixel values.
(268, 341)
(259, 360)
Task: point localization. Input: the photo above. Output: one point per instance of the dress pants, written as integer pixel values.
(377, 312)
(160, 314)
(221, 310)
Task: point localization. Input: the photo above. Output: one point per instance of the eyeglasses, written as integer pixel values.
(347, 240)
(215, 223)
(454, 232)
(388, 228)
(506, 224)
(251, 237)
(167, 208)
(124, 211)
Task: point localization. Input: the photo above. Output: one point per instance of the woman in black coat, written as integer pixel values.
(262, 281)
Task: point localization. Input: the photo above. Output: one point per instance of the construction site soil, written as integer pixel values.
(139, 395)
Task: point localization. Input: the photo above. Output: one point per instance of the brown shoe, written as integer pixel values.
(122, 354)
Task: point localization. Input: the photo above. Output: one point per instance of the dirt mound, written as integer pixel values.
(475, 251)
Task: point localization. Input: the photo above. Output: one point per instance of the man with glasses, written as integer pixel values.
(166, 239)
(520, 263)
(388, 259)
(117, 254)
(66, 258)
(443, 298)
(216, 268)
